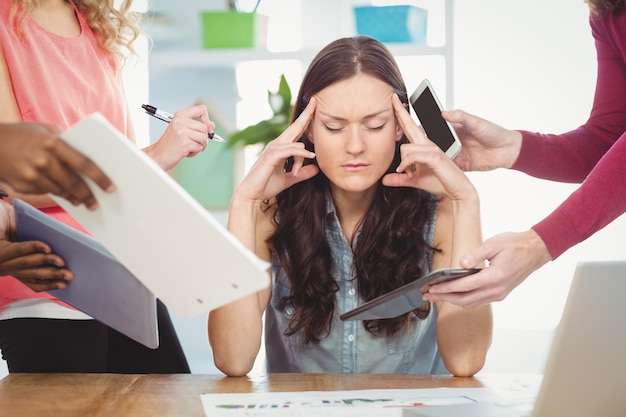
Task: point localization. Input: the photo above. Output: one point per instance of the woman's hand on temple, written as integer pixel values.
(268, 176)
(423, 165)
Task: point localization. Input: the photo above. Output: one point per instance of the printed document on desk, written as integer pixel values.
(172, 244)
(356, 403)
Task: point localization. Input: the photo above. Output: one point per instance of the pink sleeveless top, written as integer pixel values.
(57, 81)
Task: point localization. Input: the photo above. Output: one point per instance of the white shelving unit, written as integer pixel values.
(229, 58)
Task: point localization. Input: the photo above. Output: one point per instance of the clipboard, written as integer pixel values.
(102, 287)
(165, 238)
(403, 299)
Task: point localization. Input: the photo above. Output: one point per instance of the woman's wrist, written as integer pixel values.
(160, 156)
(242, 205)
(467, 197)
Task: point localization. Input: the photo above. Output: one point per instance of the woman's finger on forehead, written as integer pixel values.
(409, 127)
(299, 126)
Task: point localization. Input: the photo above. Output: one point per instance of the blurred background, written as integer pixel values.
(528, 65)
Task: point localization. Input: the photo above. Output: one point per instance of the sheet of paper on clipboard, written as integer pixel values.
(172, 244)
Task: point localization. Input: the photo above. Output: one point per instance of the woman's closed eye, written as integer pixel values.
(377, 127)
(331, 128)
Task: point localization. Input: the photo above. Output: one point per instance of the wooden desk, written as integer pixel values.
(67, 395)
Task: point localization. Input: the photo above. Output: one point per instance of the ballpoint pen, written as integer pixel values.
(167, 117)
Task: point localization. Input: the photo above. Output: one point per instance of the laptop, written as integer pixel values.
(165, 238)
(587, 362)
(102, 287)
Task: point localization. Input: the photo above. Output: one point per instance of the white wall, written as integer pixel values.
(528, 65)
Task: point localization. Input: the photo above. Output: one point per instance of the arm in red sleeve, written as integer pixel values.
(571, 156)
(600, 199)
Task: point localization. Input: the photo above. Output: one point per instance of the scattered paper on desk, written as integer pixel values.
(516, 388)
(359, 403)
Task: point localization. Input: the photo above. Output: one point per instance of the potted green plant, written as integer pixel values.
(234, 28)
(267, 130)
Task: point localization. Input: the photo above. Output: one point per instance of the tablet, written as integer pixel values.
(403, 299)
(172, 244)
(102, 287)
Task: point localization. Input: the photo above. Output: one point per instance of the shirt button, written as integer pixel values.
(351, 292)
(351, 338)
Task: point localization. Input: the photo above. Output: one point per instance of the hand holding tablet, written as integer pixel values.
(403, 299)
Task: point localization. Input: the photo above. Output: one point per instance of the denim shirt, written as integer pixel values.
(348, 348)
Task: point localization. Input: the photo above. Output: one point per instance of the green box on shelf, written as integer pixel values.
(209, 176)
(391, 24)
(229, 29)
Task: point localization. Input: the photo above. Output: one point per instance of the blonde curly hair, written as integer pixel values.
(115, 29)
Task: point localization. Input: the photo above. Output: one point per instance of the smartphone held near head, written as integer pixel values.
(428, 110)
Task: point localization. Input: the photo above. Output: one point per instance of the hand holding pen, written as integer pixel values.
(186, 135)
(167, 117)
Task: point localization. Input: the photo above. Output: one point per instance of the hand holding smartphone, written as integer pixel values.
(428, 110)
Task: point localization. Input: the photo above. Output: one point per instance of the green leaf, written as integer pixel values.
(262, 132)
(268, 130)
(285, 92)
(276, 102)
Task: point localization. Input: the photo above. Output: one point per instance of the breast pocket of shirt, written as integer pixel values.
(284, 314)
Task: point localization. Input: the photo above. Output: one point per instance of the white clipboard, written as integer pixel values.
(172, 244)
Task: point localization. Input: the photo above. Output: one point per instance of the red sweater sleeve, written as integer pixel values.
(594, 154)
(600, 199)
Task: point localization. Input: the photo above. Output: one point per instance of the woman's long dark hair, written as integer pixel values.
(391, 249)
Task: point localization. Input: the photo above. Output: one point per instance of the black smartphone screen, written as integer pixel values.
(429, 115)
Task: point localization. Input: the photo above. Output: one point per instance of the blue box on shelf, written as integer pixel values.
(392, 24)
